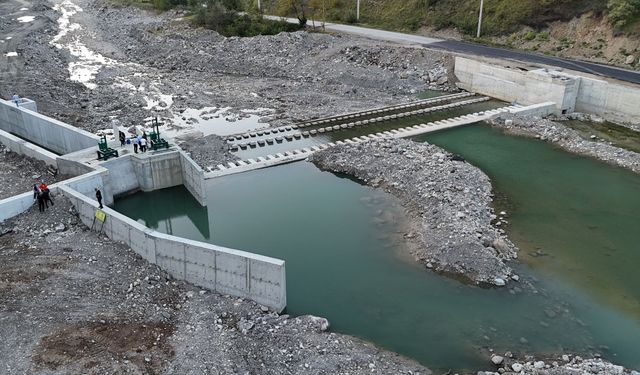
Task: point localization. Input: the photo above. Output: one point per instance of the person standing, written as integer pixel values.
(16, 99)
(143, 145)
(122, 139)
(99, 197)
(41, 206)
(135, 145)
(46, 196)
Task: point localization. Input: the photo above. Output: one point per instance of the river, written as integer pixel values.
(574, 219)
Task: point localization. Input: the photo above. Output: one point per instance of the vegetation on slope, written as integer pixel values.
(500, 16)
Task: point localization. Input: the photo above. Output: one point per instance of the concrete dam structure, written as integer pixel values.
(513, 82)
(73, 151)
(228, 271)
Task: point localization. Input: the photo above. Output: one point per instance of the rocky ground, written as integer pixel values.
(568, 139)
(75, 302)
(449, 200)
(566, 365)
(89, 63)
(19, 173)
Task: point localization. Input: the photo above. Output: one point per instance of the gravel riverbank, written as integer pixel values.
(568, 139)
(448, 199)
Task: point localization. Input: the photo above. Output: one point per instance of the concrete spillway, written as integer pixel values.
(301, 153)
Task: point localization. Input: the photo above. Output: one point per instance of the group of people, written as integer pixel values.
(42, 194)
(139, 142)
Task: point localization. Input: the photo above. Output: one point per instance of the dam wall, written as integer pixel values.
(615, 101)
(46, 132)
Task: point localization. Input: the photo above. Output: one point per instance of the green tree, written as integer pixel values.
(622, 11)
(299, 8)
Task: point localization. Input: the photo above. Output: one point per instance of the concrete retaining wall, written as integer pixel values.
(609, 99)
(52, 134)
(122, 175)
(193, 178)
(15, 205)
(618, 102)
(228, 271)
(158, 171)
(25, 148)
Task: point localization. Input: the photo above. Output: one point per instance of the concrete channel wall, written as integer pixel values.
(193, 178)
(13, 206)
(570, 91)
(25, 148)
(157, 171)
(49, 133)
(259, 278)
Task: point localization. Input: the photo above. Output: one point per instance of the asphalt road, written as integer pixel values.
(534, 59)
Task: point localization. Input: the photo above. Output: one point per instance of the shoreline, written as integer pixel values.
(446, 236)
(567, 139)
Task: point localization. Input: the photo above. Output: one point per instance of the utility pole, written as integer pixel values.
(480, 18)
(358, 11)
(324, 15)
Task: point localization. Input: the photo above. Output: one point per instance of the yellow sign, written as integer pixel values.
(101, 215)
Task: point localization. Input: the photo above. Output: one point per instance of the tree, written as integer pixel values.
(299, 8)
(622, 11)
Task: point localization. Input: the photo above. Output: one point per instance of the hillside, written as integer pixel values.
(606, 31)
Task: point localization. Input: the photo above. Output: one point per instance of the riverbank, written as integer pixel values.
(448, 200)
(568, 139)
(74, 301)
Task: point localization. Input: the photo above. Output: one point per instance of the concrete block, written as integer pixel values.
(200, 265)
(231, 274)
(170, 255)
(267, 283)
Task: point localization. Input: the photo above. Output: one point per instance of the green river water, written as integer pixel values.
(574, 219)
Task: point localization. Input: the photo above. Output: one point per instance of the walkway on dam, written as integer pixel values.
(301, 148)
(535, 59)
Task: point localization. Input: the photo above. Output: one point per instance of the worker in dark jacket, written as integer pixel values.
(99, 197)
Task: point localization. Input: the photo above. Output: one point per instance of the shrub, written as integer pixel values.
(543, 36)
(622, 11)
(531, 35)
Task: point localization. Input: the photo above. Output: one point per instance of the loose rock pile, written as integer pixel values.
(566, 365)
(18, 173)
(448, 199)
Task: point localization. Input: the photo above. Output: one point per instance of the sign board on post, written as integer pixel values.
(101, 215)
